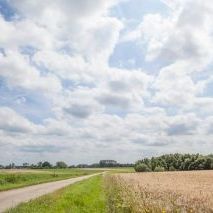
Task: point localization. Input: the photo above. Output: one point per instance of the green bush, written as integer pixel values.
(172, 168)
(2, 182)
(159, 169)
(11, 178)
(142, 167)
(15, 178)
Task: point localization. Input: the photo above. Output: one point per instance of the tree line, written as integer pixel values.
(175, 162)
(62, 164)
(39, 165)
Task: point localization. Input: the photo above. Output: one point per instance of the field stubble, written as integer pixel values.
(161, 192)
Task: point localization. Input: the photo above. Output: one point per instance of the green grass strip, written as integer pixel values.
(86, 196)
(17, 180)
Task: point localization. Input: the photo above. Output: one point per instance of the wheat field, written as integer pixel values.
(161, 192)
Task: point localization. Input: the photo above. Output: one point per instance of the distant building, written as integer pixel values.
(108, 163)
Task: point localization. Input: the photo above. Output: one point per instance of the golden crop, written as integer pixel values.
(161, 192)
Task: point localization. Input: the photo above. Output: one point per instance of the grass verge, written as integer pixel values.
(21, 179)
(87, 196)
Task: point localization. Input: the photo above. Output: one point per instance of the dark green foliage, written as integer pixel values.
(172, 168)
(108, 163)
(159, 169)
(14, 178)
(46, 164)
(177, 162)
(61, 164)
(142, 167)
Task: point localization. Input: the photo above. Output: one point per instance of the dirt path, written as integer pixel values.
(11, 198)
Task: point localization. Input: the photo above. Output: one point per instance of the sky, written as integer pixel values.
(82, 81)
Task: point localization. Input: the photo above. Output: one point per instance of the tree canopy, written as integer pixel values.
(177, 162)
(61, 164)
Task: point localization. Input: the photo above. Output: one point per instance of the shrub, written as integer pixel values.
(172, 168)
(142, 167)
(2, 182)
(11, 178)
(15, 178)
(159, 169)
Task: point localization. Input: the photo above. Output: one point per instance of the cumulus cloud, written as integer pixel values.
(183, 125)
(62, 50)
(12, 122)
(28, 76)
(71, 9)
(184, 35)
(114, 100)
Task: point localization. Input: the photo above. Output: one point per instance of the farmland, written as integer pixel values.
(10, 179)
(185, 191)
(160, 192)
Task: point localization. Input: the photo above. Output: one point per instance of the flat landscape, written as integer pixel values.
(106, 106)
(122, 190)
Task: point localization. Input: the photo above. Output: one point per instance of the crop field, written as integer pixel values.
(10, 179)
(160, 192)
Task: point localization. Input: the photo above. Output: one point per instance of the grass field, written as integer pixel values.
(84, 197)
(10, 179)
(161, 192)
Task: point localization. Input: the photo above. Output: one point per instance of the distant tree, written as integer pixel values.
(46, 164)
(186, 164)
(94, 165)
(208, 163)
(82, 166)
(154, 163)
(39, 164)
(10, 166)
(108, 163)
(61, 164)
(159, 169)
(180, 162)
(34, 166)
(25, 165)
(142, 167)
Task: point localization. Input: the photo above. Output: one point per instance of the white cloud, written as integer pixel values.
(101, 111)
(183, 35)
(18, 71)
(174, 86)
(12, 122)
(27, 33)
(72, 10)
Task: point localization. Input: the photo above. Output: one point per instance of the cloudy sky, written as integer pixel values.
(87, 80)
